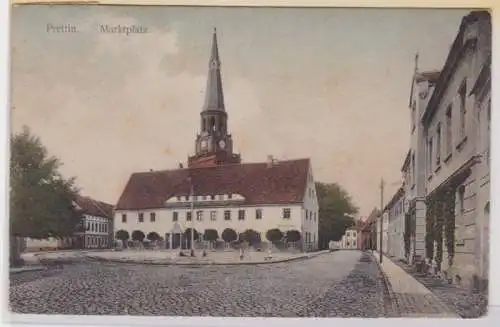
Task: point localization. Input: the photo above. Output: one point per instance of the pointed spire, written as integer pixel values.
(214, 97)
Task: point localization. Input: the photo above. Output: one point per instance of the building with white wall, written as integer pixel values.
(394, 212)
(216, 190)
(97, 224)
(349, 240)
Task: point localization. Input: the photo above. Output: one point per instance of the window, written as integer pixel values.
(353, 243)
(307, 214)
(124, 219)
(348, 234)
(463, 111)
(315, 217)
(204, 197)
(461, 199)
(175, 216)
(227, 215)
(199, 215)
(287, 213)
(241, 214)
(258, 213)
(449, 130)
(186, 198)
(429, 157)
(213, 215)
(212, 197)
(438, 144)
(189, 216)
(141, 217)
(229, 196)
(353, 234)
(152, 217)
(221, 197)
(178, 198)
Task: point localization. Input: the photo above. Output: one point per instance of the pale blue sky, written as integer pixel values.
(329, 84)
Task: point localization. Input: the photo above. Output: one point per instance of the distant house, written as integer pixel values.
(97, 232)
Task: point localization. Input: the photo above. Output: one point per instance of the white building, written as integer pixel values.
(349, 240)
(395, 228)
(97, 224)
(225, 193)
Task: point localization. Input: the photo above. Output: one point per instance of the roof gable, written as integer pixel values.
(283, 182)
(93, 207)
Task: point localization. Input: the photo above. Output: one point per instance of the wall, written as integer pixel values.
(271, 218)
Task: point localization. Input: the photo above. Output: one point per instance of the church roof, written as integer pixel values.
(93, 207)
(283, 182)
(214, 96)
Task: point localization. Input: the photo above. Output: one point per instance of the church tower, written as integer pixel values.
(213, 146)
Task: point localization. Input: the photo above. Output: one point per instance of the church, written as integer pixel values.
(216, 190)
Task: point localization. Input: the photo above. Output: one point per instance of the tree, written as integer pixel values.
(335, 212)
(187, 234)
(153, 236)
(122, 235)
(211, 235)
(42, 202)
(138, 235)
(251, 236)
(229, 235)
(274, 235)
(293, 236)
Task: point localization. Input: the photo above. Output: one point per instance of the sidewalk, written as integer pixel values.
(410, 297)
(467, 303)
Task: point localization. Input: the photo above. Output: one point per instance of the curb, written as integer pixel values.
(12, 272)
(389, 293)
(189, 264)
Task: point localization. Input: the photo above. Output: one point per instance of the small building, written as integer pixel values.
(97, 222)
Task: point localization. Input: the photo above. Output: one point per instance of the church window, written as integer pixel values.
(287, 213)
(213, 215)
(175, 216)
(241, 214)
(258, 213)
(124, 219)
(141, 217)
(152, 217)
(227, 215)
(199, 215)
(188, 216)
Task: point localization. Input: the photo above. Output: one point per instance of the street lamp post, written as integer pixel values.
(381, 216)
(192, 216)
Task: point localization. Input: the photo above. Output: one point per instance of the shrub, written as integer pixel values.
(274, 235)
(122, 235)
(229, 235)
(138, 235)
(211, 235)
(251, 236)
(293, 236)
(187, 234)
(153, 236)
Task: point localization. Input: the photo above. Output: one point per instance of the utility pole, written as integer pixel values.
(381, 215)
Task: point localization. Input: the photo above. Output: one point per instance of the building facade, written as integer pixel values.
(350, 240)
(216, 191)
(97, 224)
(394, 211)
(444, 218)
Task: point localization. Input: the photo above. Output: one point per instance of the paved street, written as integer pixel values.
(339, 284)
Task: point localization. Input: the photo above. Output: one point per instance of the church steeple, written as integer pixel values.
(214, 145)
(214, 96)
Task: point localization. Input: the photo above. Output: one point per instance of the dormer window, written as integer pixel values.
(178, 198)
(187, 198)
(204, 197)
(212, 197)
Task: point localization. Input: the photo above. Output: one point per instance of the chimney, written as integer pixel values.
(181, 165)
(270, 161)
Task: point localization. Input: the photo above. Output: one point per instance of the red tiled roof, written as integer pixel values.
(283, 183)
(93, 207)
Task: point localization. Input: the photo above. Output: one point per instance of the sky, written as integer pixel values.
(328, 84)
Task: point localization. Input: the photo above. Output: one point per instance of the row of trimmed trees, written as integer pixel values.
(229, 235)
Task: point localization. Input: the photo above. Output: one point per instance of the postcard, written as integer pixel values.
(249, 161)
